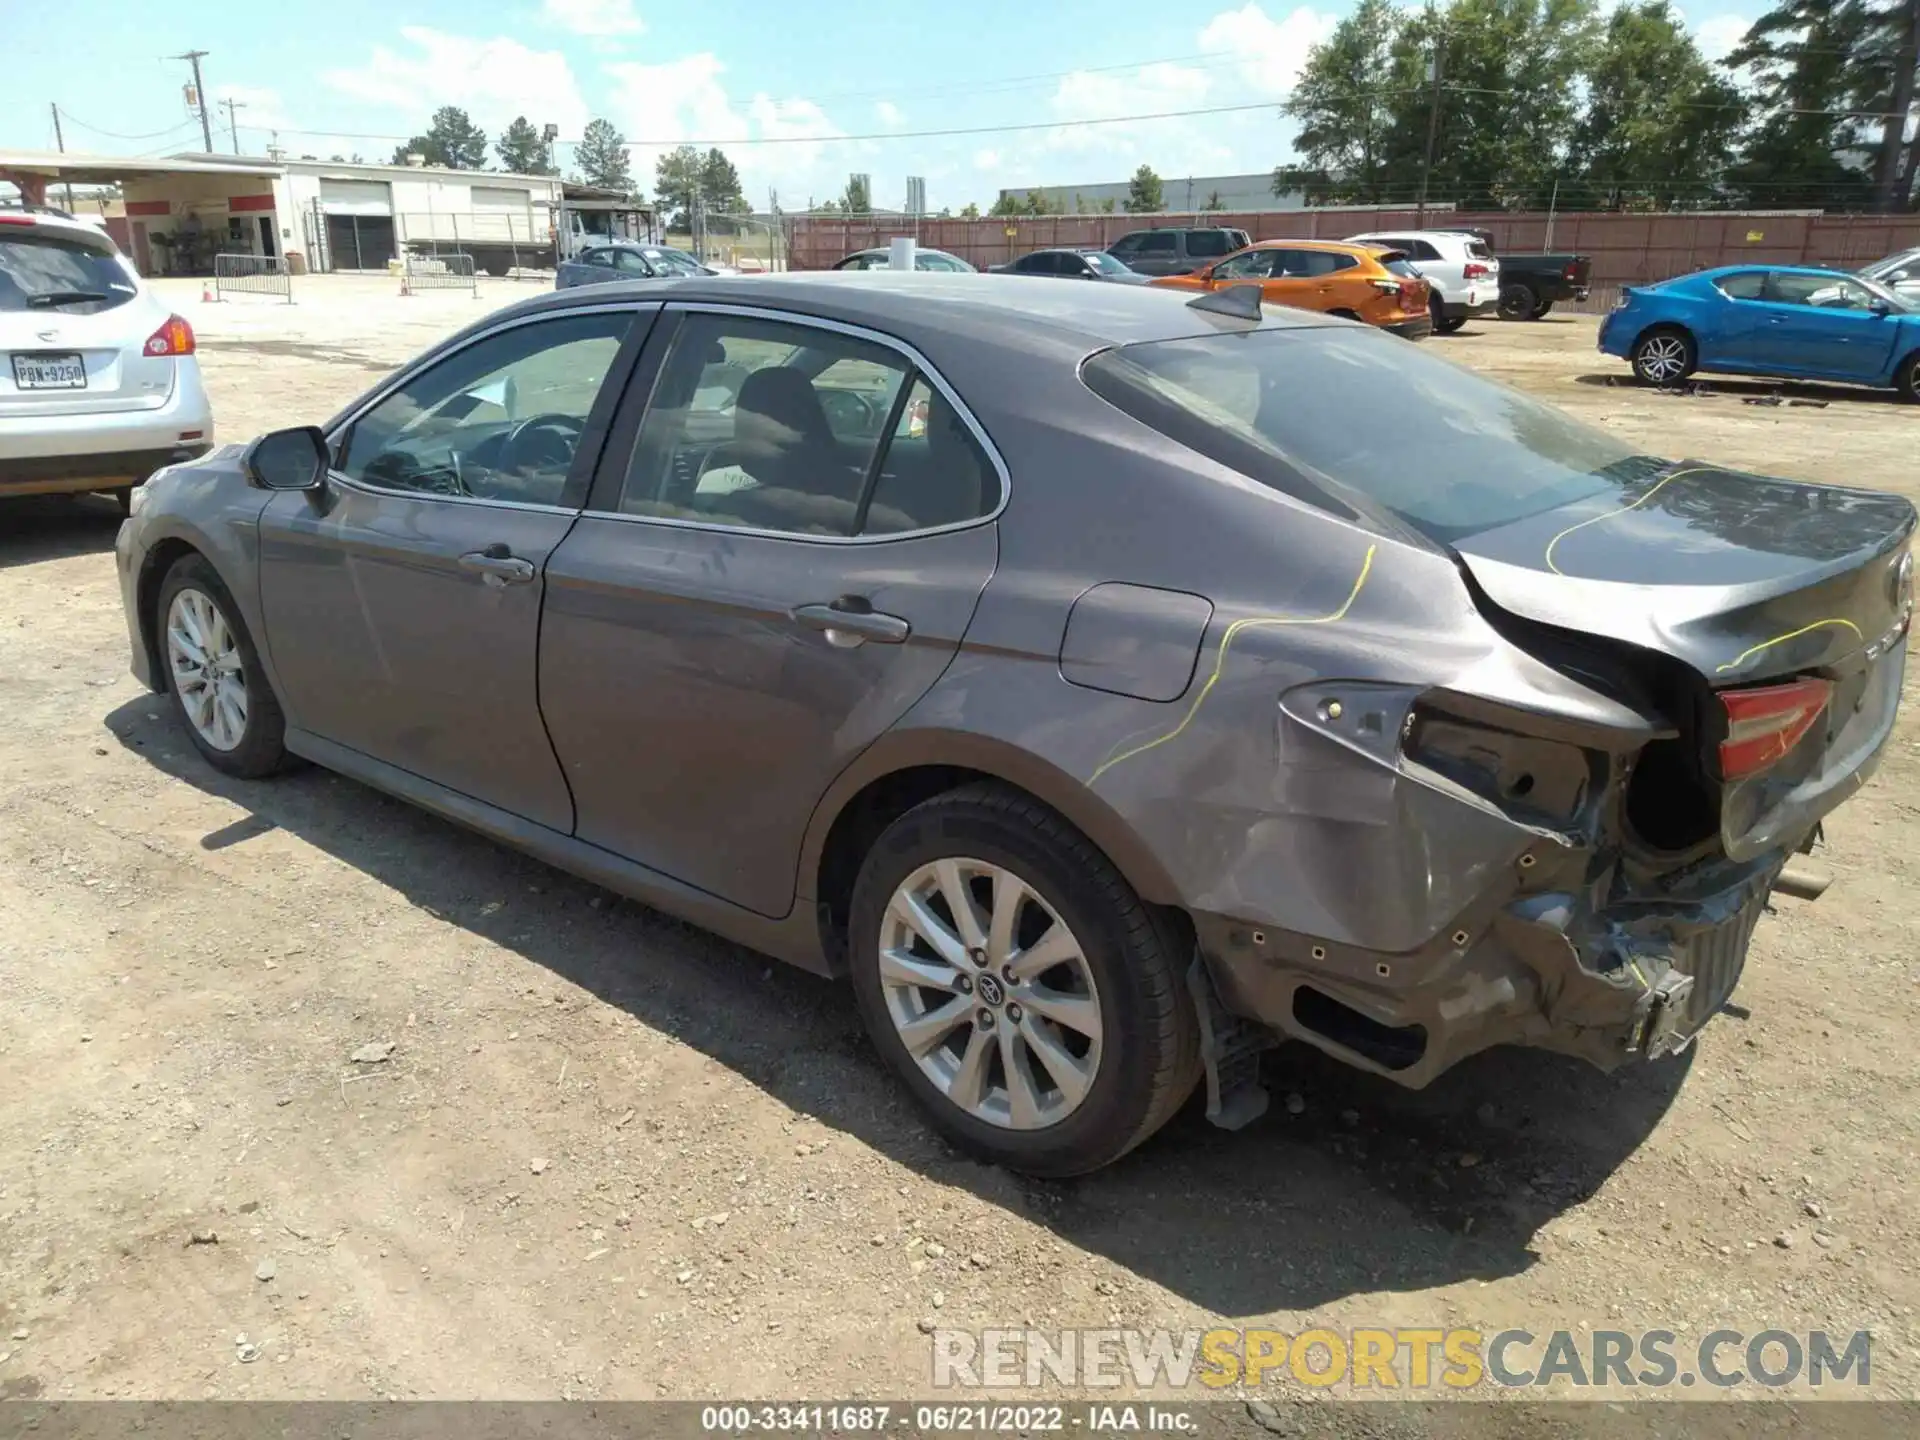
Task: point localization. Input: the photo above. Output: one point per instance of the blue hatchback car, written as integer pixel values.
(1786, 321)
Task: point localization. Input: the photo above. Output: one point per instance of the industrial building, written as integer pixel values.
(320, 215)
(1238, 193)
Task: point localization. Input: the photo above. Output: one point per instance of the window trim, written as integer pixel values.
(619, 372)
(634, 407)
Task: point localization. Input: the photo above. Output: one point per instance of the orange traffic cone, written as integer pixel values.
(207, 296)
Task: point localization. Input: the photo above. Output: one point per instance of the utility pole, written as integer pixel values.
(1433, 128)
(60, 144)
(233, 127)
(194, 57)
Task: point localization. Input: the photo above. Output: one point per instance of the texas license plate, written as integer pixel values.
(49, 372)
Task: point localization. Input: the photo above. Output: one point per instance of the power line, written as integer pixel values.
(68, 115)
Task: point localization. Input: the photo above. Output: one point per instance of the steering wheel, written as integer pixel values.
(566, 428)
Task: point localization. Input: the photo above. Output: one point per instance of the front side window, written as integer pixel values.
(498, 420)
(630, 262)
(1101, 263)
(1822, 292)
(773, 426)
(1299, 410)
(1249, 265)
(602, 258)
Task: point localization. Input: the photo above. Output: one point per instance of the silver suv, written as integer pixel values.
(99, 386)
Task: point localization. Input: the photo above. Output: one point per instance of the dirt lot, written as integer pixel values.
(614, 1157)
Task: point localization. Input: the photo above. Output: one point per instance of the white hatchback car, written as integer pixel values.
(1463, 276)
(99, 386)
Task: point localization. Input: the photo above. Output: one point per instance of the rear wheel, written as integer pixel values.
(1344, 314)
(1030, 1001)
(1441, 324)
(1540, 310)
(1519, 302)
(1663, 356)
(1909, 379)
(214, 673)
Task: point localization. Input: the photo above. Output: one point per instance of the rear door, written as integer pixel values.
(757, 591)
(73, 326)
(1157, 252)
(403, 601)
(1292, 281)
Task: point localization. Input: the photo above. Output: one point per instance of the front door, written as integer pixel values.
(403, 601)
(1822, 324)
(780, 561)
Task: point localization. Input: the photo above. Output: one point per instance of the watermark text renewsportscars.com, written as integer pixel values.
(1405, 1359)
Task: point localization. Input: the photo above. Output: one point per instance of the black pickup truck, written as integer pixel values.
(1530, 284)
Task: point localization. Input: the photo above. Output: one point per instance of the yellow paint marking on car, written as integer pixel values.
(1251, 622)
(1615, 514)
(1753, 650)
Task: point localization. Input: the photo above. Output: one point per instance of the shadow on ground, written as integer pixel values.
(1367, 1187)
(1787, 392)
(56, 527)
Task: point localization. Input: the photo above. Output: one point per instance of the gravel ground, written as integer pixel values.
(600, 1154)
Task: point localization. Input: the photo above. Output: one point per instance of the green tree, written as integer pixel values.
(1213, 201)
(970, 211)
(720, 185)
(678, 177)
(1894, 51)
(460, 141)
(1037, 204)
(522, 151)
(1345, 108)
(1008, 204)
(857, 199)
(1144, 195)
(603, 158)
(1659, 123)
(1106, 206)
(1804, 63)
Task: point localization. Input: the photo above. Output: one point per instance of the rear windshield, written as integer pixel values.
(1359, 416)
(1395, 262)
(1479, 249)
(54, 273)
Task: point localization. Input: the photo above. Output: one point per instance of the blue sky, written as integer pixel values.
(815, 79)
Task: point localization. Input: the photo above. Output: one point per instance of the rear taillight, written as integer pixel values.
(1573, 271)
(1392, 287)
(1765, 723)
(173, 338)
(1475, 270)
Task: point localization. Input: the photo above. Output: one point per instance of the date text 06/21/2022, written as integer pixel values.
(959, 1419)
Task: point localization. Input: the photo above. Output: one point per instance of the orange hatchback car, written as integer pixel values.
(1360, 282)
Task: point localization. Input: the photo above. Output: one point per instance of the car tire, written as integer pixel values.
(1344, 314)
(195, 614)
(1518, 301)
(1909, 379)
(1543, 309)
(1113, 1048)
(1664, 356)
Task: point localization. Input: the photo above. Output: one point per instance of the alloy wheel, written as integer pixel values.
(991, 993)
(203, 654)
(1663, 358)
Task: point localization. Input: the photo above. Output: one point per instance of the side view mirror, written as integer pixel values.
(1879, 306)
(293, 459)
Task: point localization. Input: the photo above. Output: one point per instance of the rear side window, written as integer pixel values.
(1210, 243)
(59, 275)
(1479, 250)
(1747, 285)
(1159, 242)
(1299, 410)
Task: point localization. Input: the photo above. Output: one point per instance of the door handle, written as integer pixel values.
(498, 566)
(847, 625)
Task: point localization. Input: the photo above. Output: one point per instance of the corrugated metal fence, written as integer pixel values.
(1626, 249)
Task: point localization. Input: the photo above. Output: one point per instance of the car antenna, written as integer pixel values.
(1240, 301)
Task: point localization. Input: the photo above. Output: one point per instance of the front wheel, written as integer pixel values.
(1909, 379)
(1009, 975)
(1663, 357)
(214, 673)
(1518, 302)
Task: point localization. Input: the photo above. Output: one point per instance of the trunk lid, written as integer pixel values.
(1741, 577)
(60, 353)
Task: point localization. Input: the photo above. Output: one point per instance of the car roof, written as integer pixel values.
(887, 250)
(47, 220)
(1338, 247)
(917, 306)
(1765, 265)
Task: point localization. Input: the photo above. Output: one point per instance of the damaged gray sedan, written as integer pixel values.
(1109, 686)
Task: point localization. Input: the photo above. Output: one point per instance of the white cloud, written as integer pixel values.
(1270, 51)
(986, 159)
(260, 110)
(888, 112)
(492, 80)
(603, 18)
(1720, 35)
